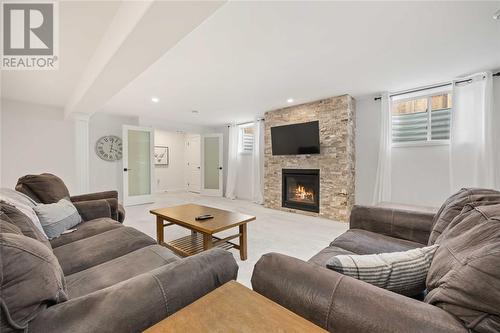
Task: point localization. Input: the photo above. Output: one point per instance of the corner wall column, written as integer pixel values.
(81, 123)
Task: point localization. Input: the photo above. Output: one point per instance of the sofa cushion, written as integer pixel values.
(45, 188)
(119, 269)
(86, 229)
(402, 272)
(138, 303)
(30, 280)
(57, 217)
(366, 242)
(464, 277)
(88, 252)
(23, 222)
(454, 205)
(8, 227)
(323, 256)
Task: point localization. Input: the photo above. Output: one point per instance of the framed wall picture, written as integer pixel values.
(161, 155)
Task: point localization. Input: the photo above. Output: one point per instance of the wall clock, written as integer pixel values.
(109, 148)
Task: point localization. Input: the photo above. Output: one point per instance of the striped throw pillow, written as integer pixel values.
(402, 272)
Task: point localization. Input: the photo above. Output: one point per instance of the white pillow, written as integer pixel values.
(57, 217)
(24, 203)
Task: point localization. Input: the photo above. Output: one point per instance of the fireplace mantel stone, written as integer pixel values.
(336, 160)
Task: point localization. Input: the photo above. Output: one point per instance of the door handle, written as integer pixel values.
(125, 169)
(220, 168)
(197, 167)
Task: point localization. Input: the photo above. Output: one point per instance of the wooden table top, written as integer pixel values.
(184, 215)
(234, 308)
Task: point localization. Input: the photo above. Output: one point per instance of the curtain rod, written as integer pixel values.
(439, 85)
(246, 122)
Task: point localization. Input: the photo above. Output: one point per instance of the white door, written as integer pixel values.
(212, 157)
(138, 165)
(193, 156)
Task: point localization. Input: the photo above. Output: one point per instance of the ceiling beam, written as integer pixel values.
(140, 33)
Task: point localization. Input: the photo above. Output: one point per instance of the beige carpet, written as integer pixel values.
(274, 231)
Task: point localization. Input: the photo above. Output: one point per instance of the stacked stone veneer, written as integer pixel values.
(336, 160)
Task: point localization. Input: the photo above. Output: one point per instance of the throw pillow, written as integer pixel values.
(22, 202)
(13, 215)
(402, 272)
(57, 217)
(31, 279)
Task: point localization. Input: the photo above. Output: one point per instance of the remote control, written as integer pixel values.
(203, 217)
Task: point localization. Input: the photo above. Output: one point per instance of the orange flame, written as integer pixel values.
(302, 194)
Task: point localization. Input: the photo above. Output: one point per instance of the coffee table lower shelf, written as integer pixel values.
(193, 244)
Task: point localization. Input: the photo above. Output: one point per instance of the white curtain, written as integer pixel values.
(232, 162)
(472, 156)
(383, 183)
(258, 163)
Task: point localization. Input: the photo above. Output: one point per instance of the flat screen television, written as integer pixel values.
(295, 139)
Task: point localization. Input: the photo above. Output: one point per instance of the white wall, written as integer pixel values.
(171, 177)
(104, 175)
(420, 175)
(40, 139)
(36, 139)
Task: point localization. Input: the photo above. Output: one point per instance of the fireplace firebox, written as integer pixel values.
(301, 189)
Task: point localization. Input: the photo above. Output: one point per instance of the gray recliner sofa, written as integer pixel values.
(462, 291)
(103, 277)
(48, 188)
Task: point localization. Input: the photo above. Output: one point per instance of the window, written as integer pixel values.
(246, 138)
(421, 119)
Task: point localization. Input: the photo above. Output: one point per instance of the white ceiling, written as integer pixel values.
(250, 57)
(81, 27)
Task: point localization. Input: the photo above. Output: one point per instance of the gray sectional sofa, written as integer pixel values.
(103, 277)
(47, 188)
(462, 291)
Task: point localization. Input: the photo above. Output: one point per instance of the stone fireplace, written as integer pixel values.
(316, 184)
(300, 189)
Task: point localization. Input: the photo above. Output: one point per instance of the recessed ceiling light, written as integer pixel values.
(155, 99)
(290, 100)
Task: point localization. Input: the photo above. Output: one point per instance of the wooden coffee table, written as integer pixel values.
(234, 308)
(202, 232)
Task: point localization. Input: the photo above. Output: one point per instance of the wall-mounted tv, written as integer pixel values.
(295, 139)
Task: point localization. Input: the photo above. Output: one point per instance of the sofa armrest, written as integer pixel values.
(405, 224)
(138, 303)
(95, 196)
(94, 209)
(109, 196)
(342, 304)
